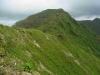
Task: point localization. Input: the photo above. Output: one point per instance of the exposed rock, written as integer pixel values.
(36, 44)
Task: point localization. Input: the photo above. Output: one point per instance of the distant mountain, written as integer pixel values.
(94, 25)
(49, 43)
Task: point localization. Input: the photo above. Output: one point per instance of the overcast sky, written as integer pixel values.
(14, 10)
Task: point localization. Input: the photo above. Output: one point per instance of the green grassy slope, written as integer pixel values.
(59, 23)
(57, 45)
(92, 25)
(33, 51)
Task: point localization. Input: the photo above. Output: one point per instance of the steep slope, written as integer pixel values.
(93, 25)
(54, 44)
(30, 51)
(59, 23)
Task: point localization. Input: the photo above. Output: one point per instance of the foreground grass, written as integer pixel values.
(36, 52)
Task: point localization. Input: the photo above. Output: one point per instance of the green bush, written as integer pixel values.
(2, 72)
(27, 69)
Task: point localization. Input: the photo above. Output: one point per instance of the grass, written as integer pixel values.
(21, 50)
(56, 45)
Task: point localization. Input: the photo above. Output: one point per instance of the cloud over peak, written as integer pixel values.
(13, 10)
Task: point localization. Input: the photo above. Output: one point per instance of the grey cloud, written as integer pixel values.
(86, 8)
(77, 8)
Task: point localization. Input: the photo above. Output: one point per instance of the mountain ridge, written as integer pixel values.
(61, 24)
(93, 25)
(54, 45)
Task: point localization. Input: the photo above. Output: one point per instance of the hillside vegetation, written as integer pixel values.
(93, 25)
(48, 43)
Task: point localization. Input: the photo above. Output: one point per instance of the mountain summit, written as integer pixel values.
(96, 19)
(51, 20)
(45, 17)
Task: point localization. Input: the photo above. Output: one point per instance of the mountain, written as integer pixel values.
(48, 43)
(59, 23)
(93, 25)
